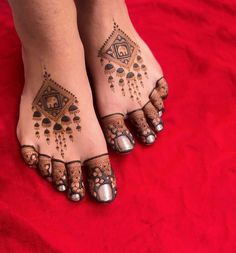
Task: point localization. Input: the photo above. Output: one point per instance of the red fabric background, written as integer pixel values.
(177, 196)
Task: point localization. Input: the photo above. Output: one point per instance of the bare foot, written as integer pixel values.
(58, 129)
(128, 82)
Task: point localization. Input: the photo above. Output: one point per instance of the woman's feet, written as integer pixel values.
(58, 129)
(127, 80)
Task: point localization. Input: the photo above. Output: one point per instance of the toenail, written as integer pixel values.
(160, 113)
(150, 139)
(123, 144)
(159, 127)
(61, 188)
(105, 193)
(74, 197)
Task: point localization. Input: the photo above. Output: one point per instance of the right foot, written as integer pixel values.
(127, 80)
(58, 129)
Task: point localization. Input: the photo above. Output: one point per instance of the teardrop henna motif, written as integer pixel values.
(124, 60)
(54, 109)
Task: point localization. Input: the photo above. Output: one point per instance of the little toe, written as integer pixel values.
(30, 155)
(45, 166)
(101, 178)
(76, 190)
(141, 127)
(117, 134)
(157, 101)
(153, 117)
(59, 175)
(162, 87)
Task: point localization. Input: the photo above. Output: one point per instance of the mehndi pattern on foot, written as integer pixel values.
(101, 178)
(153, 117)
(159, 93)
(117, 134)
(54, 111)
(45, 166)
(141, 127)
(59, 175)
(30, 155)
(76, 190)
(123, 64)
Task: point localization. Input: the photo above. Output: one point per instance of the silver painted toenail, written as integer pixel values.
(160, 113)
(75, 197)
(123, 144)
(61, 188)
(150, 139)
(159, 127)
(105, 192)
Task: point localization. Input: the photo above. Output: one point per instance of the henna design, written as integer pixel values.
(59, 175)
(117, 134)
(153, 116)
(157, 101)
(55, 108)
(101, 178)
(45, 167)
(162, 87)
(144, 133)
(123, 60)
(30, 155)
(76, 189)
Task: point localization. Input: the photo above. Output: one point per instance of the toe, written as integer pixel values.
(117, 134)
(30, 155)
(45, 166)
(157, 101)
(101, 178)
(76, 190)
(59, 174)
(162, 87)
(141, 127)
(153, 117)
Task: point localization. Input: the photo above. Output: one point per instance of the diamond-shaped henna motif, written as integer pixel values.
(52, 100)
(119, 48)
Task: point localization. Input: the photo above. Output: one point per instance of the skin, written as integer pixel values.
(50, 39)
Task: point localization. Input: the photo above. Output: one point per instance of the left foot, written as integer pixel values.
(127, 80)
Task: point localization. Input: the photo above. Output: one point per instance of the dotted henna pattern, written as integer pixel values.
(54, 111)
(121, 58)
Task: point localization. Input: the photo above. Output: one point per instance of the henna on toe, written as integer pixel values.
(117, 134)
(153, 117)
(76, 190)
(45, 166)
(101, 178)
(59, 175)
(30, 155)
(162, 87)
(142, 129)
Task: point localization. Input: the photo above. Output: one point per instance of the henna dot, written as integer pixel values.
(78, 128)
(46, 122)
(68, 130)
(37, 115)
(65, 120)
(76, 119)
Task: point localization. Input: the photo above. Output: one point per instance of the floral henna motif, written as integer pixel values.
(123, 60)
(144, 133)
(45, 166)
(101, 178)
(54, 110)
(76, 189)
(30, 155)
(59, 175)
(117, 133)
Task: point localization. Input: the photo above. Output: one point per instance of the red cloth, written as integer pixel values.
(177, 196)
